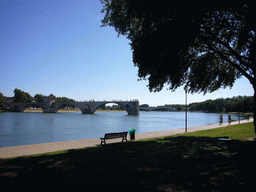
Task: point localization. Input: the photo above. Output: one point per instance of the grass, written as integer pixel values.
(33, 110)
(196, 161)
(240, 131)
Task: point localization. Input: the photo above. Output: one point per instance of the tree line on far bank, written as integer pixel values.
(234, 104)
(24, 97)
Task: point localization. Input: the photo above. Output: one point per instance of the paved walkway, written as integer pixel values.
(16, 151)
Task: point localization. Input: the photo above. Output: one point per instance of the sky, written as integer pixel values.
(59, 47)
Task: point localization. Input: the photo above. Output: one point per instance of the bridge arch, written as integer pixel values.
(124, 105)
(26, 105)
(70, 104)
(113, 102)
(131, 107)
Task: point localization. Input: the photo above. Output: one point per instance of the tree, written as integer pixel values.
(39, 97)
(22, 97)
(144, 105)
(201, 45)
(242, 104)
(63, 99)
(2, 100)
(178, 108)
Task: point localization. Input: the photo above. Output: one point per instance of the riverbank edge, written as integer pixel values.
(23, 150)
(63, 110)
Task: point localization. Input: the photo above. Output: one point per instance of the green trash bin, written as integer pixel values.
(132, 134)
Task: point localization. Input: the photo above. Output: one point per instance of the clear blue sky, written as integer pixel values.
(58, 47)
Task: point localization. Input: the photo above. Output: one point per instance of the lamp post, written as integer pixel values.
(186, 112)
(238, 114)
(238, 111)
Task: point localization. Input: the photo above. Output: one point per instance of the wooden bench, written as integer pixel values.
(114, 136)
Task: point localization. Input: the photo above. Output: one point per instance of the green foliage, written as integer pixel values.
(178, 108)
(161, 109)
(22, 97)
(63, 99)
(39, 97)
(239, 103)
(2, 100)
(204, 46)
(144, 105)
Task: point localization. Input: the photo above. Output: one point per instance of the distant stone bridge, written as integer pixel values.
(50, 106)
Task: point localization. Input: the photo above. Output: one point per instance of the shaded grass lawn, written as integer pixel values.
(196, 161)
(239, 131)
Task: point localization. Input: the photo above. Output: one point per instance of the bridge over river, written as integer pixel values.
(50, 106)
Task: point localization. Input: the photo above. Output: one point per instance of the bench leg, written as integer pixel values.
(103, 141)
(124, 139)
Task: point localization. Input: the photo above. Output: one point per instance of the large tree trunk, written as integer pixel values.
(254, 111)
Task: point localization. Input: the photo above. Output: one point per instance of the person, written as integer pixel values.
(220, 118)
(229, 118)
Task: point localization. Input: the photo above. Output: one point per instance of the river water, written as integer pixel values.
(33, 128)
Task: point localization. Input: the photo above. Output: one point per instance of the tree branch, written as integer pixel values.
(239, 57)
(221, 54)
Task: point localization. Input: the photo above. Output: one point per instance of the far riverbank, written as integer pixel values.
(71, 110)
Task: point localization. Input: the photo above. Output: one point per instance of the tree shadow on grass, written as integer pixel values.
(169, 164)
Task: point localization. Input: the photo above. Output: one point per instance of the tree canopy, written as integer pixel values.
(39, 97)
(2, 100)
(22, 97)
(64, 99)
(175, 42)
(201, 45)
(235, 104)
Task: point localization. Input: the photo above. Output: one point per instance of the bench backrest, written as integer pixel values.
(115, 135)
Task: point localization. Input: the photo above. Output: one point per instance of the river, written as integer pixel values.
(32, 128)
